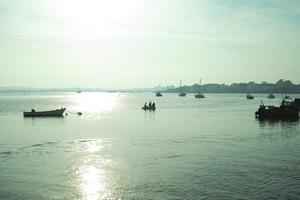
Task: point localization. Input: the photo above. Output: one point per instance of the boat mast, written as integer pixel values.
(200, 86)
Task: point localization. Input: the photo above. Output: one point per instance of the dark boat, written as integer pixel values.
(199, 95)
(271, 96)
(148, 108)
(158, 94)
(182, 94)
(249, 96)
(50, 113)
(276, 112)
(285, 110)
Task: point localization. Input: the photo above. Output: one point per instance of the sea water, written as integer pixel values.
(188, 148)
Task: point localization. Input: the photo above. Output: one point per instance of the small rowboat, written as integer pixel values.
(50, 113)
(149, 108)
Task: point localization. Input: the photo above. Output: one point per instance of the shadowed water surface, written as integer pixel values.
(189, 148)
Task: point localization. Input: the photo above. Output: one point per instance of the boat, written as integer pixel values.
(79, 90)
(249, 96)
(148, 108)
(181, 94)
(50, 113)
(285, 110)
(271, 96)
(199, 95)
(158, 94)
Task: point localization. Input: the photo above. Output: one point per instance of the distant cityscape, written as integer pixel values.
(281, 86)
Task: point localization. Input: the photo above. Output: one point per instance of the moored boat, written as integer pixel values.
(50, 113)
(285, 110)
(181, 94)
(271, 96)
(158, 94)
(276, 112)
(199, 95)
(249, 96)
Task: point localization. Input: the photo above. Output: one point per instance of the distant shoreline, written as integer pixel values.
(280, 87)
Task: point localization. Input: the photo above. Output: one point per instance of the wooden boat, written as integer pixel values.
(271, 96)
(50, 113)
(249, 96)
(158, 94)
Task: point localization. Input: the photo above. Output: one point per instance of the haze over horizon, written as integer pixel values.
(143, 43)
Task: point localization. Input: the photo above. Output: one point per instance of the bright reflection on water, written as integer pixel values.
(96, 102)
(93, 184)
(91, 172)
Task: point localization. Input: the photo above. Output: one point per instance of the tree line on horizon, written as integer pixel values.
(281, 86)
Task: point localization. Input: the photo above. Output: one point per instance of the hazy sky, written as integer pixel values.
(143, 43)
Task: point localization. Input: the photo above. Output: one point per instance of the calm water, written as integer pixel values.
(188, 148)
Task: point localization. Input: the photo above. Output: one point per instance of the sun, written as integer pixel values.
(98, 13)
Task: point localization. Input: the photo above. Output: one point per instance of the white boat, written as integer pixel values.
(50, 113)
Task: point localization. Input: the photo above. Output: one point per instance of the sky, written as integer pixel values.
(143, 43)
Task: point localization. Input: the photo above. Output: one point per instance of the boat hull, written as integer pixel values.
(147, 108)
(158, 94)
(250, 97)
(51, 113)
(271, 96)
(199, 96)
(277, 113)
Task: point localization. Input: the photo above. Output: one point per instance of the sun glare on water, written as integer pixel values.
(96, 102)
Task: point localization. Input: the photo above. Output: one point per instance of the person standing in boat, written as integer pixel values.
(145, 105)
(150, 104)
(153, 104)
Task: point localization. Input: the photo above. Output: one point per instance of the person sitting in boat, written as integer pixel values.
(145, 105)
(32, 110)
